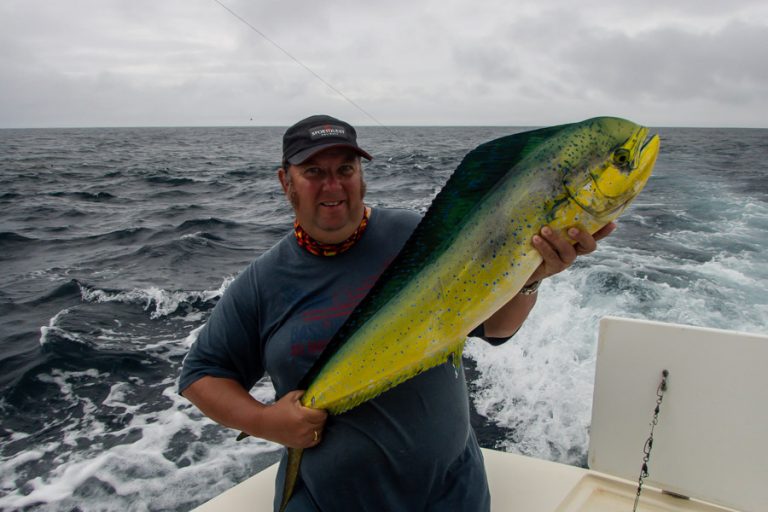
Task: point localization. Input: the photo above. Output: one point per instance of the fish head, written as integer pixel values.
(615, 159)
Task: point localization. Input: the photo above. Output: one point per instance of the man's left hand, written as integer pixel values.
(559, 253)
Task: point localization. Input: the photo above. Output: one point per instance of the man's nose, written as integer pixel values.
(331, 180)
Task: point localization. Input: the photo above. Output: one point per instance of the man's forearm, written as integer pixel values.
(286, 421)
(508, 319)
(225, 401)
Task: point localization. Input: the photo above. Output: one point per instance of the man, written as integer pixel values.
(411, 448)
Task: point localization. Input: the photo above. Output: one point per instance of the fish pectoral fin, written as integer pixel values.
(455, 356)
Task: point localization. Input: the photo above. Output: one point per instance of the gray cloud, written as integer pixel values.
(448, 62)
(487, 61)
(726, 65)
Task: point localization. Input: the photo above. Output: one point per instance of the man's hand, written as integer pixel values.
(291, 424)
(286, 421)
(559, 254)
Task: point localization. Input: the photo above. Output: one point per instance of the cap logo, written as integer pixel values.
(327, 130)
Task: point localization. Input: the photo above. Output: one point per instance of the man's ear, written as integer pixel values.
(282, 175)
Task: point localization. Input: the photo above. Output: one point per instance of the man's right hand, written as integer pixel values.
(286, 421)
(291, 424)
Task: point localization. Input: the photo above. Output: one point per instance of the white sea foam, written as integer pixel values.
(192, 336)
(196, 234)
(52, 328)
(137, 463)
(539, 384)
(165, 302)
(153, 472)
(10, 464)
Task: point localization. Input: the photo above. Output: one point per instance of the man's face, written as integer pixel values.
(327, 194)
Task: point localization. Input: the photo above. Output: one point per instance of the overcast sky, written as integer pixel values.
(412, 62)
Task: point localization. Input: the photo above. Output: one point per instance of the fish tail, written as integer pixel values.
(291, 475)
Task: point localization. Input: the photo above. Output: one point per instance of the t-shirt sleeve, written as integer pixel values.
(479, 332)
(228, 346)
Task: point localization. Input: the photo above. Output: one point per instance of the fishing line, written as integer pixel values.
(297, 61)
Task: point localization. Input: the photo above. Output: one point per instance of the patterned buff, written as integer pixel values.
(321, 249)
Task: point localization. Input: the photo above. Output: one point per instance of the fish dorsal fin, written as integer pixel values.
(479, 173)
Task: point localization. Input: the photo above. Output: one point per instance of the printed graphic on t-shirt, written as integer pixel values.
(324, 316)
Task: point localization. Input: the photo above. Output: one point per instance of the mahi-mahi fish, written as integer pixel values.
(471, 253)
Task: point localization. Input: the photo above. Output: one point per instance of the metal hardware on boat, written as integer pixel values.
(649, 442)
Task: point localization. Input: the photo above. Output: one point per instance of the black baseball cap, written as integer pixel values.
(317, 133)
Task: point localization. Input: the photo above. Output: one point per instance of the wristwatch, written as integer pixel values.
(530, 289)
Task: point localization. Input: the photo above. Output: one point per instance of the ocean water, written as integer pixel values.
(115, 245)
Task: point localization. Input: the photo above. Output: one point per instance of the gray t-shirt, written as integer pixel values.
(411, 448)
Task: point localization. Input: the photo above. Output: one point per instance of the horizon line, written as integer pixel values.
(249, 125)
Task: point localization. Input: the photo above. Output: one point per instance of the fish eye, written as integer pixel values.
(621, 156)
